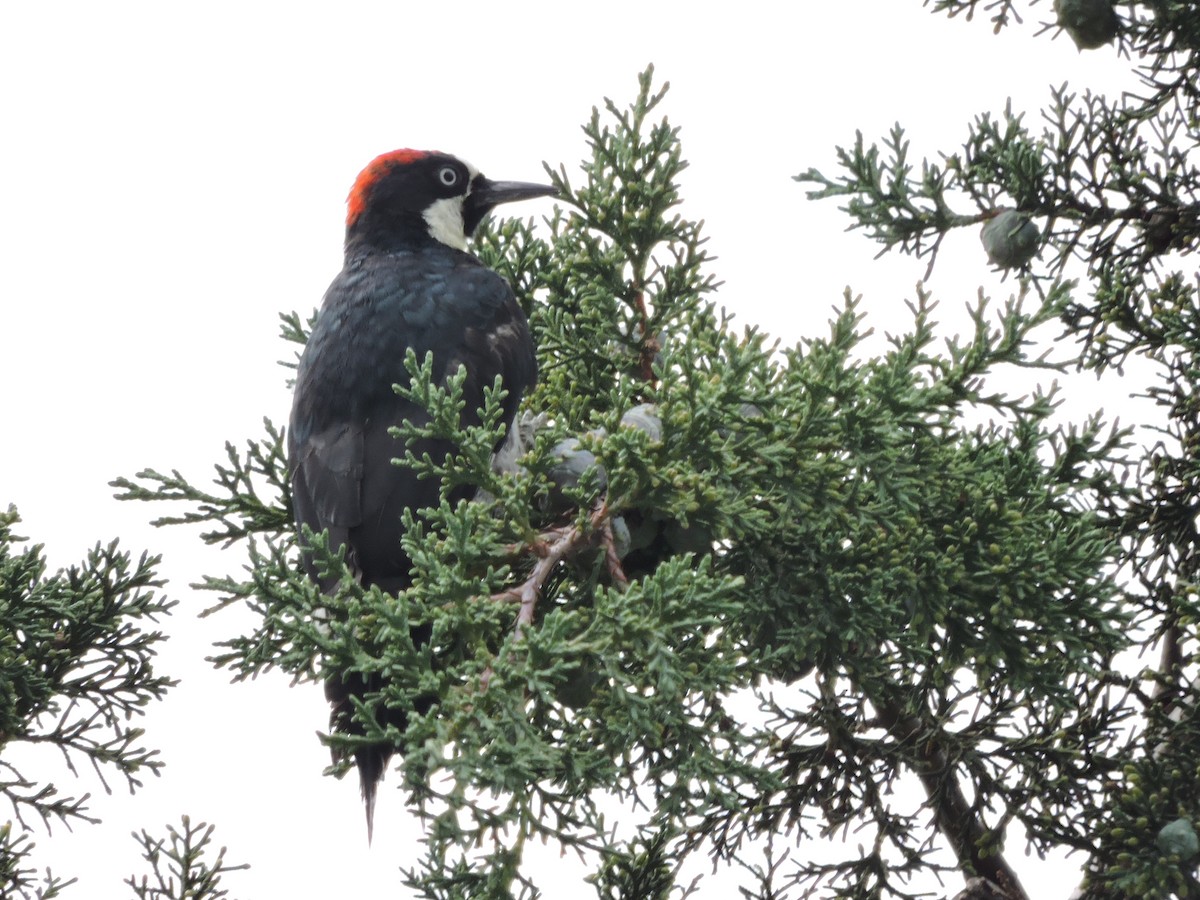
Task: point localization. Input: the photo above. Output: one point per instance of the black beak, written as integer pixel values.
(486, 195)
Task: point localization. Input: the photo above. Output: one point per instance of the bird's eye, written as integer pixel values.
(448, 176)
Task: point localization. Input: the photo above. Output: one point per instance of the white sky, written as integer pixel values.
(171, 177)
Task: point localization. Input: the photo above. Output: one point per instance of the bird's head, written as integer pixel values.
(406, 197)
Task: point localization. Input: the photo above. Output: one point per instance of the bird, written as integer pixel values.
(408, 282)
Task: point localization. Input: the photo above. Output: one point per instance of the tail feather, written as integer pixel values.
(372, 764)
(371, 761)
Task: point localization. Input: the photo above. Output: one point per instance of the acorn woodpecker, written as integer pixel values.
(407, 282)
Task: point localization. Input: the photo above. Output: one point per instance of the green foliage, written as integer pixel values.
(180, 866)
(1112, 183)
(253, 488)
(642, 872)
(76, 665)
(1109, 181)
(1162, 35)
(1004, 12)
(16, 880)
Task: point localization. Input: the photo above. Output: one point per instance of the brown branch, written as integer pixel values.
(969, 838)
(1170, 665)
(615, 569)
(551, 548)
(1170, 690)
(650, 345)
(554, 552)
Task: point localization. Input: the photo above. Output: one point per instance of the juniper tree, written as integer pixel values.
(181, 865)
(77, 650)
(1104, 191)
(815, 575)
(76, 668)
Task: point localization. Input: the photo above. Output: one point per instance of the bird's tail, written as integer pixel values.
(372, 760)
(372, 764)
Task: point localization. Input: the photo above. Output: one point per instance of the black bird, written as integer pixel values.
(408, 282)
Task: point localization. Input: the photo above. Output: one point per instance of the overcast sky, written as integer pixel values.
(173, 176)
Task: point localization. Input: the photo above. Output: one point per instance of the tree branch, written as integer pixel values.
(971, 840)
(552, 547)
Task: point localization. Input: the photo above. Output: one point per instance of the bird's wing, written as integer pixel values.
(333, 466)
(326, 480)
(494, 340)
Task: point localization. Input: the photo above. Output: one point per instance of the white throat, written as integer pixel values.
(445, 220)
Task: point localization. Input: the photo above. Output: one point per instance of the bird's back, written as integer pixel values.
(436, 300)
